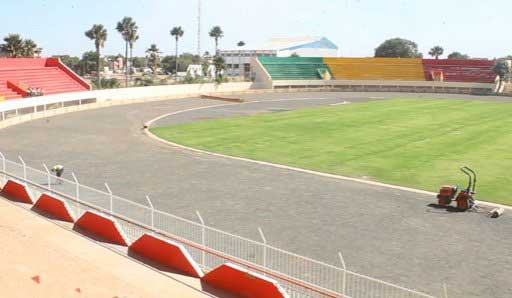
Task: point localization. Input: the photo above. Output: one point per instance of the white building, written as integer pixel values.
(240, 57)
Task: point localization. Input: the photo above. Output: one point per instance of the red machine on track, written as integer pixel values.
(464, 199)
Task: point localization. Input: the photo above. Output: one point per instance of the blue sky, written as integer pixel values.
(478, 28)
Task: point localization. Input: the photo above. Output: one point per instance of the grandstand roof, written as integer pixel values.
(290, 43)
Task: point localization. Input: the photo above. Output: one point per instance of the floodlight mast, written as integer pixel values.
(199, 27)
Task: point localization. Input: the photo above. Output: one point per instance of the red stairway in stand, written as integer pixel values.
(48, 74)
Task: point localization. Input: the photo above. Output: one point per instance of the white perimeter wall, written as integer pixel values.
(129, 94)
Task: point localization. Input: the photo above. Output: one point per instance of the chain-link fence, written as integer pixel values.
(299, 276)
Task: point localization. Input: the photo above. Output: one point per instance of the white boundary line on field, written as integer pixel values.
(280, 166)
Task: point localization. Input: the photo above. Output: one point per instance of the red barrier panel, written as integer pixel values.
(55, 207)
(239, 281)
(103, 227)
(167, 253)
(16, 191)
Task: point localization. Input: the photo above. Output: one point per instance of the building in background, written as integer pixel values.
(238, 60)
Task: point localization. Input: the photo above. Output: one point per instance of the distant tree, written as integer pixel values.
(177, 32)
(457, 55)
(153, 55)
(168, 63)
(13, 45)
(241, 69)
(139, 62)
(398, 48)
(29, 48)
(189, 59)
(294, 55)
(88, 62)
(98, 33)
(204, 66)
(126, 28)
(107, 83)
(144, 81)
(436, 52)
(133, 36)
(216, 33)
(502, 70)
(220, 65)
(70, 61)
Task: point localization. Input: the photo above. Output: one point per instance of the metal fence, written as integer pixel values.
(299, 276)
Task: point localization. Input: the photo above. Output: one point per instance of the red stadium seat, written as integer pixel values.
(460, 70)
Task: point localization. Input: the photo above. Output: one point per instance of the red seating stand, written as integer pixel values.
(242, 283)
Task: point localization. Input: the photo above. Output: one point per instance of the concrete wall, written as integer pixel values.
(260, 75)
(131, 94)
(388, 86)
(17, 111)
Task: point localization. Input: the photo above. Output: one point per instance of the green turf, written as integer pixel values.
(411, 142)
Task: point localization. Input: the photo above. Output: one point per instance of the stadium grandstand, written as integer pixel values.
(375, 68)
(383, 69)
(293, 68)
(458, 70)
(238, 59)
(20, 77)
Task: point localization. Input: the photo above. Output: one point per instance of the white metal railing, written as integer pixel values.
(17, 107)
(20, 107)
(299, 276)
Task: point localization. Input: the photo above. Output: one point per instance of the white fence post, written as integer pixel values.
(3, 165)
(344, 282)
(111, 198)
(77, 192)
(49, 176)
(445, 291)
(152, 215)
(203, 238)
(264, 246)
(24, 169)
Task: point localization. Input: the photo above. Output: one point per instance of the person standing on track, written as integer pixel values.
(58, 170)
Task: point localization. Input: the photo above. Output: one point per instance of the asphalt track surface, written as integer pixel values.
(386, 233)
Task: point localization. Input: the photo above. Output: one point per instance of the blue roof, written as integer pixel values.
(323, 43)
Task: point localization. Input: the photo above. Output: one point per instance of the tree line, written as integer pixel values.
(403, 48)
(128, 29)
(17, 47)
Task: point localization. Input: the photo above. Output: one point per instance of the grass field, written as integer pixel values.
(418, 143)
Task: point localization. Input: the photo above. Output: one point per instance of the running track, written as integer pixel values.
(385, 233)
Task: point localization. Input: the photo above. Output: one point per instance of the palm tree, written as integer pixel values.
(436, 52)
(29, 48)
(502, 70)
(241, 71)
(13, 45)
(216, 33)
(132, 38)
(220, 66)
(177, 32)
(98, 33)
(125, 28)
(153, 57)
